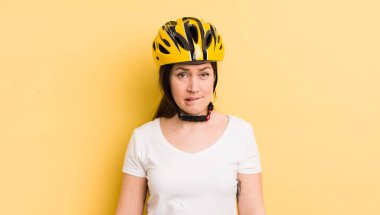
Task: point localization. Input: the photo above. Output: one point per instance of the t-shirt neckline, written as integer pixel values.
(177, 150)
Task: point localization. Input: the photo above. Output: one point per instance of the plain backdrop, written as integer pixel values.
(77, 76)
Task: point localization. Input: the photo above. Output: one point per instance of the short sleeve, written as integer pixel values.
(250, 159)
(133, 164)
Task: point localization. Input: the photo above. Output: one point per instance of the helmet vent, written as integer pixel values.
(166, 42)
(193, 33)
(207, 41)
(162, 49)
(181, 41)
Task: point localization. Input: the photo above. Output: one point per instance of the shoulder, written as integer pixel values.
(145, 135)
(241, 129)
(147, 128)
(242, 132)
(240, 123)
(148, 125)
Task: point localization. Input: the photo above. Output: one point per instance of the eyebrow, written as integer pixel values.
(183, 68)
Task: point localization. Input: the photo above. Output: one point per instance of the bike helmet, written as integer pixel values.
(187, 39)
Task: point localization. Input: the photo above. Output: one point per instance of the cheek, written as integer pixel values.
(208, 87)
(176, 88)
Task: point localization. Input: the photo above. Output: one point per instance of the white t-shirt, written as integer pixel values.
(202, 183)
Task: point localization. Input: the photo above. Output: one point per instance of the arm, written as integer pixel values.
(132, 195)
(250, 198)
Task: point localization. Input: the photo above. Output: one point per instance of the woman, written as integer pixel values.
(191, 159)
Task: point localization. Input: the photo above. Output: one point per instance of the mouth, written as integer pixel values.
(192, 99)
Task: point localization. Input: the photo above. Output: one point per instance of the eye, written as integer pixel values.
(181, 74)
(205, 74)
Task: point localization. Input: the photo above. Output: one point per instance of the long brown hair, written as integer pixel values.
(167, 107)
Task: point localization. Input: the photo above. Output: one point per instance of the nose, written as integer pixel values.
(192, 85)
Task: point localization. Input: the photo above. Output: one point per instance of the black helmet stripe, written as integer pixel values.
(170, 29)
(202, 32)
(181, 41)
(205, 57)
(213, 34)
(188, 37)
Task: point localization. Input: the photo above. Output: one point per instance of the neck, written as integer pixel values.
(196, 118)
(190, 124)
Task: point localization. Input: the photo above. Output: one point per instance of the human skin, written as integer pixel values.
(192, 87)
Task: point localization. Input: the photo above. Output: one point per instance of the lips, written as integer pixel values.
(192, 99)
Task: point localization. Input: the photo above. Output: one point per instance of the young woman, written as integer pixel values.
(191, 159)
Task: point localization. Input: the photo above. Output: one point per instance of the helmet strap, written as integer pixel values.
(202, 118)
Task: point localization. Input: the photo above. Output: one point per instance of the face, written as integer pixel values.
(192, 87)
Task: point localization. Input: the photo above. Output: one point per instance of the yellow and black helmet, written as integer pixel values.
(187, 39)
